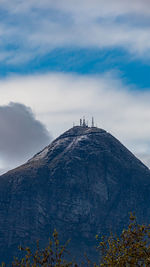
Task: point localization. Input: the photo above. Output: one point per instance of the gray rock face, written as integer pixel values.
(85, 182)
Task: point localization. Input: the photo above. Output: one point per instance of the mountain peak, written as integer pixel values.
(83, 183)
(81, 130)
(68, 140)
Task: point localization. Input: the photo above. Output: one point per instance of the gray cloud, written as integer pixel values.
(62, 99)
(21, 135)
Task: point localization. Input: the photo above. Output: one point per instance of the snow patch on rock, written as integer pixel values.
(41, 155)
(76, 140)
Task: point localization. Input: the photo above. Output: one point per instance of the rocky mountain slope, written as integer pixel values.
(85, 182)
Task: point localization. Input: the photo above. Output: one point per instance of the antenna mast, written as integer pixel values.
(84, 124)
(92, 121)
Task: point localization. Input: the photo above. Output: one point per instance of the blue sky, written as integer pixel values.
(86, 61)
(66, 59)
(43, 36)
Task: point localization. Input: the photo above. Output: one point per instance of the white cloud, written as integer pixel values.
(58, 100)
(95, 7)
(37, 27)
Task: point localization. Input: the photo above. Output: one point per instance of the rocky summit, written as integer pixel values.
(84, 183)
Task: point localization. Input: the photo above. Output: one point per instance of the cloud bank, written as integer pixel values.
(34, 28)
(58, 100)
(21, 135)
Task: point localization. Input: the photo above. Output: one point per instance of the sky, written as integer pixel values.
(64, 59)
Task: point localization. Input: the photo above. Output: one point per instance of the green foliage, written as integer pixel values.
(132, 248)
(52, 255)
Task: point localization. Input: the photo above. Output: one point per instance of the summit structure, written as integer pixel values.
(82, 184)
(84, 123)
